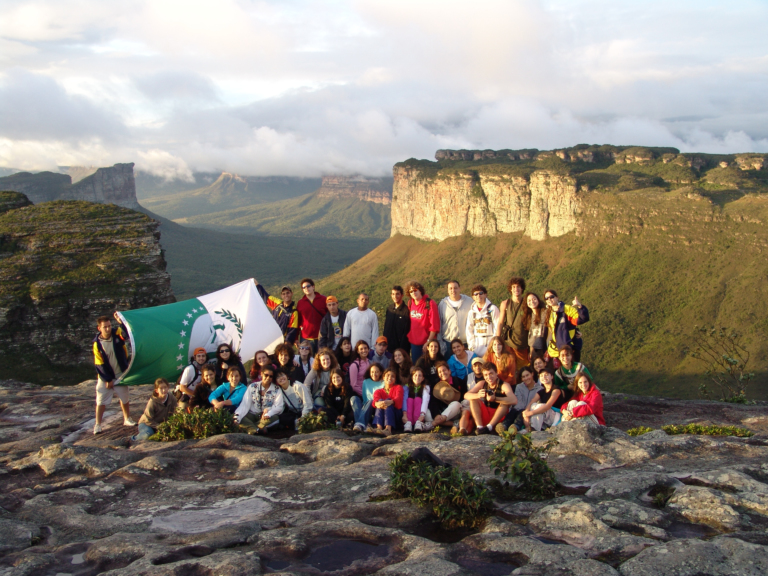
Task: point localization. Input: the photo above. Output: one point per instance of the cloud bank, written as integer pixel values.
(307, 88)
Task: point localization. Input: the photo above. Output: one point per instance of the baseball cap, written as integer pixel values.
(331, 299)
(382, 339)
(476, 360)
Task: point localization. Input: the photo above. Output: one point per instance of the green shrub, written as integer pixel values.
(519, 461)
(313, 423)
(200, 423)
(707, 430)
(456, 498)
(726, 357)
(639, 431)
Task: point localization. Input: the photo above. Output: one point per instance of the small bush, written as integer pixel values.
(707, 430)
(639, 431)
(454, 496)
(519, 461)
(313, 422)
(200, 423)
(726, 358)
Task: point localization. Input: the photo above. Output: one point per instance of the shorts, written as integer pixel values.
(487, 413)
(104, 395)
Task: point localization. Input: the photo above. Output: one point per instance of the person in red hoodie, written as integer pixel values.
(389, 403)
(425, 320)
(312, 309)
(587, 403)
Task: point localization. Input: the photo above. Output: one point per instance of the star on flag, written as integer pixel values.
(183, 333)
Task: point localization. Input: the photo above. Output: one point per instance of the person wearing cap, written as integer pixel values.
(477, 372)
(379, 353)
(362, 323)
(191, 377)
(332, 326)
(283, 311)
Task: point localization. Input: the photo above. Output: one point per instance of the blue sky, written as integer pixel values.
(309, 88)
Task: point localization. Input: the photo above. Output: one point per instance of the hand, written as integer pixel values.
(116, 315)
(217, 403)
(424, 348)
(405, 417)
(264, 416)
(110, 384)
(422, 417)
(576, 302)
(296, 363)
(255, 281)
(527, 414)
(224, 366)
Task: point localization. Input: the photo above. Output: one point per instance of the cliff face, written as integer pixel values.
(114, 185)
(547, 193)
(376, 190)
(62, 265)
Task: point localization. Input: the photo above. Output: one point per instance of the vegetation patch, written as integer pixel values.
(639, 431)
(198, 424)
(313, 423)
(456, 498)
(519, 462)
(726, 357)
(707, 430)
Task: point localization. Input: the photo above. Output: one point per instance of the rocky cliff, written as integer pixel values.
(63, 264)
(546, 193)
(113, 185)
(376, 190)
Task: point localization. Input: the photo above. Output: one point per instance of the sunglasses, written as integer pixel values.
(225, 350)
(304, 348)
(478, 293)
(550, 297)
(306, 286)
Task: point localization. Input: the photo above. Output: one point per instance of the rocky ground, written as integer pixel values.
(78, 504)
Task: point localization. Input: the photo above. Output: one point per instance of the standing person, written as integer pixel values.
(380, 354)
(226, 357)
(563, 320)
(320, 376)
(297, 401)
(262, 404)
(161, 405)
(568, 374)
(397, 322)
(312, 309)
(460, 360)
(511, 327)
(388, 401)
(453, 310)
(345, 356)
(229, 395)
(110, 356)
(536, 321)
(402, 360)
(362, 322)
(190, 377)
(429, 361)
(332, 326)
(359, 367)
(482, 321)
(525, 392)
(502, 357)
(425, 320)
(283, 311)
(489, 400)
(587, 404)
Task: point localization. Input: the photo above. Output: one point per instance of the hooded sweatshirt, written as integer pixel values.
(481, 326)
(158, 410)
(425, 318)
(453, 321)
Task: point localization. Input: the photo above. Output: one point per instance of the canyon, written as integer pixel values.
(376, 190)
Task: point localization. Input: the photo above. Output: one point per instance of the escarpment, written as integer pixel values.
(376, 190)
(549, 193)
(62, 265)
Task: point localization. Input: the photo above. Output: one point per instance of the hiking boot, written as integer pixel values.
(358, 429)
(500, 429)
(482, 430)
(97, 429)
(408, 427)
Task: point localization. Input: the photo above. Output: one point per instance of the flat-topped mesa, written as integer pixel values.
(376, 190)
(113, 185)
(544, 193)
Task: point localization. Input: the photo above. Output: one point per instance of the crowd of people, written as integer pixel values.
(462, 363)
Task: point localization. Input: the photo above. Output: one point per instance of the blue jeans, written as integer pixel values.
(512, 417)
(362, 411)
(417, 351)
(389, 416)
(144, 432)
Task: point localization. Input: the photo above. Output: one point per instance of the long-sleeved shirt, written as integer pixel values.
(524, 395)
(369, 388)
(385, 359)
(361, 325)
(395, 394)
(458, 368)
(224, 393)
(567, 378)
(397, 324)
(594, 404)
(424, 319)
(328, 335)
(357, 371)
(481, 326)
(317, 382)
(287, 317)
(254, 403)
(110, 357)
(158, 410)
(311, 314)
(296, 398)
(453, 321)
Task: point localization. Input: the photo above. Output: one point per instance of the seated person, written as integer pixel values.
(338, 400)
(190, 377)
(476, 374)
(161, 405)
(417, 404)
(379, 352)
(489, 401)
(525, 392)
(448, 413)
(428, 362)
(545, 409)
(226, 357)
(303, 361)
(388, 401)
(296, 399)
(363, 406)
(587, 404)
(460, 361)
(229, 395)
(501, 355)
(203, 390)
(567, 375)
(262, 404)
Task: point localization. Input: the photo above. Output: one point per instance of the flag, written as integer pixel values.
(164, 337)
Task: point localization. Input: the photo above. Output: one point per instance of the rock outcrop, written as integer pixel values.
(234, 504)
(62, 265)
(113, 185)
(376, 190)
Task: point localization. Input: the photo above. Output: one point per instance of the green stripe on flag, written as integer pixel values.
(160, 337)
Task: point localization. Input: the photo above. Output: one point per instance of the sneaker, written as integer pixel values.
(419, 427)
(408, 427)
(129, 422)
(370, 429)
(482, 430)
(386, 432)
(428, 426)
(97, 429)
(358, 429)
(500, 429)
(525, 431)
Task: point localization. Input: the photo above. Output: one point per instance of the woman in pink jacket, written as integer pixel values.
(587, 403)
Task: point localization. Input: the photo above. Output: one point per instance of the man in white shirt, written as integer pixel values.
(362, 323)
(453, 310)
(481, 321)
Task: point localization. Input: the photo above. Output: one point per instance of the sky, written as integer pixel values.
(306, 88)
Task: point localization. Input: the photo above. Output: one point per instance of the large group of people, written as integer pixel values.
(462, 363)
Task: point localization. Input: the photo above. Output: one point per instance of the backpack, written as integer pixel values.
(178, 393)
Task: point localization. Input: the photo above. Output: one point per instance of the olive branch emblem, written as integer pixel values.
(226, 314)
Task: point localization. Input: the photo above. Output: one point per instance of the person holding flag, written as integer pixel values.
(283, 311)
(110, 356)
